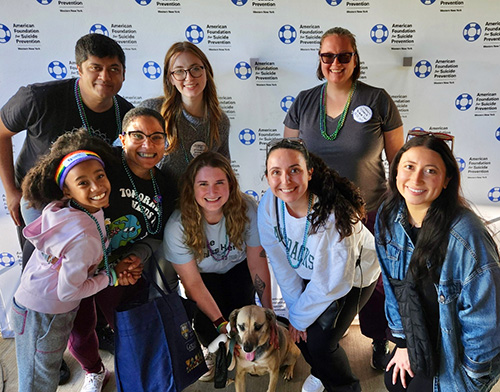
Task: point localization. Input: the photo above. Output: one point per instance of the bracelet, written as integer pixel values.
(114, 279)
(222, 326)
(218, 322)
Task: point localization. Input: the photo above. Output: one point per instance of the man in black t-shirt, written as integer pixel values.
(47, 110)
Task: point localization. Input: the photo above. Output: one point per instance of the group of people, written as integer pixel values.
(407, 253)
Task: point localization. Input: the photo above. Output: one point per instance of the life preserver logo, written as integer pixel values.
(286, 103)
(379, 33)
(44, 2)
(287, 34)
(461, 164)
(422, 69)
(57, 70)
(427, 2)
(253, 194)
(143, 2)
(6, 259)
(247, 136)
(239, 3)
(464, 102)
(99, 29)
(194, 34)
(494, 194)
(5, 34)
(472, 32)
(243, 70)
(497, 134)
(333, 3)
(151, 70)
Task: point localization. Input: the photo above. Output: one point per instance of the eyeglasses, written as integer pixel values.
(181, 74)
(295, 143)
(138, 137)
(343, 58)
(446, 137)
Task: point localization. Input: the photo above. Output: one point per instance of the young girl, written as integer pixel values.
(321, 254)
(213, 243)
(70, 241)
(441, 276)
(194, 121)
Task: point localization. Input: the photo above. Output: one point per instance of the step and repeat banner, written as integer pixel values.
(437, 59)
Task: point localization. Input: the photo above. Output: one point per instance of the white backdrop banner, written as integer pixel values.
(438, 59)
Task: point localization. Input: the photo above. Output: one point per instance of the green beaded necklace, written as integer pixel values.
(322, 112)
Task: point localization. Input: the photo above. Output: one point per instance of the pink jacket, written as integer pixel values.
(69, 236)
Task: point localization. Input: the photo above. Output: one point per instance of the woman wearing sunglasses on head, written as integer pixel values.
(322, 256)
(349, 123)
(441, 276)
(194, 121)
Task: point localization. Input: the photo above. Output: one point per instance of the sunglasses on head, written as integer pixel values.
(296, 142)
(343, 58)
(446, 137)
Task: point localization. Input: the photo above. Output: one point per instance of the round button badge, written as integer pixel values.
(362, 114)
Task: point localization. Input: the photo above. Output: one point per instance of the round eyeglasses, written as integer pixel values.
(139, 137)
(181, 74)
(343, 58)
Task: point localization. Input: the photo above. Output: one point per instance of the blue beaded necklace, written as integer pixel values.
(76, 205)
(300, 257)
(83, 115)
(156, 198)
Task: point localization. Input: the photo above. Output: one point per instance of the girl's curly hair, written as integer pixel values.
(39, 186)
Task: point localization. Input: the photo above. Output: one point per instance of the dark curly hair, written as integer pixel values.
(39, 186)
(335, 193)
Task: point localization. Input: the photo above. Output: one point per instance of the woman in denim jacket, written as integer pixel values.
(441, 275)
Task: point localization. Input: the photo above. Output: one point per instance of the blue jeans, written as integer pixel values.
(40, 343)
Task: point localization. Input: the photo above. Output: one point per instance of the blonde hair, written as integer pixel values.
(171, 109)
(234, 210)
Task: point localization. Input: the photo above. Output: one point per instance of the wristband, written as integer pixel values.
(114, 279)
(222, 327)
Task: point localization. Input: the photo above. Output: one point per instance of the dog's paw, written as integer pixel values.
(288, 373)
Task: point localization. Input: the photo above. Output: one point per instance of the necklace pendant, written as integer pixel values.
(157, 199)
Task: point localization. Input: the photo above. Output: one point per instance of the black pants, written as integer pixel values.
(231, 290)
(418, 383)
(322, 351)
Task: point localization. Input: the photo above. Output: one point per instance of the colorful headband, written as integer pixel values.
(71, 160)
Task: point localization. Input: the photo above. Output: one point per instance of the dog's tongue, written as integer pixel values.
(250, 356)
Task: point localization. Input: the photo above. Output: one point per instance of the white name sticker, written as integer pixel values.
(362, 114)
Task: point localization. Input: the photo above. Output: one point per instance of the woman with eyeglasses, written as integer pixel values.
(441, 275)
(213, 243)
(349, 124)
(194, 121)
(140, 204)
(323, 257)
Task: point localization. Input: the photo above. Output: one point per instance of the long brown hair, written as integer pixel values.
(235, 209)
(171, 109)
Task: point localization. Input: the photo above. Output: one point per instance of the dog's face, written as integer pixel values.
(250, 326)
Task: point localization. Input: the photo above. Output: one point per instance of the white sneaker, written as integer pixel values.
(210, 361)
(95, 382)
(312, 384)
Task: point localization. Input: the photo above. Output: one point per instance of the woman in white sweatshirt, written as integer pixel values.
(321, 254)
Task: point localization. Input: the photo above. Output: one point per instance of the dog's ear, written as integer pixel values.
(271, 316)
(232, 323)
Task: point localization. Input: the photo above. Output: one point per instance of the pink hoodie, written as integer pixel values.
(71, 236)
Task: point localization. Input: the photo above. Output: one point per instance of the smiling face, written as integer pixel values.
(211, 192)
(100, 79)
(88, 185)
(336, 72)
(142, 156)
(190, 88)
(288, 177)
(421, 177)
